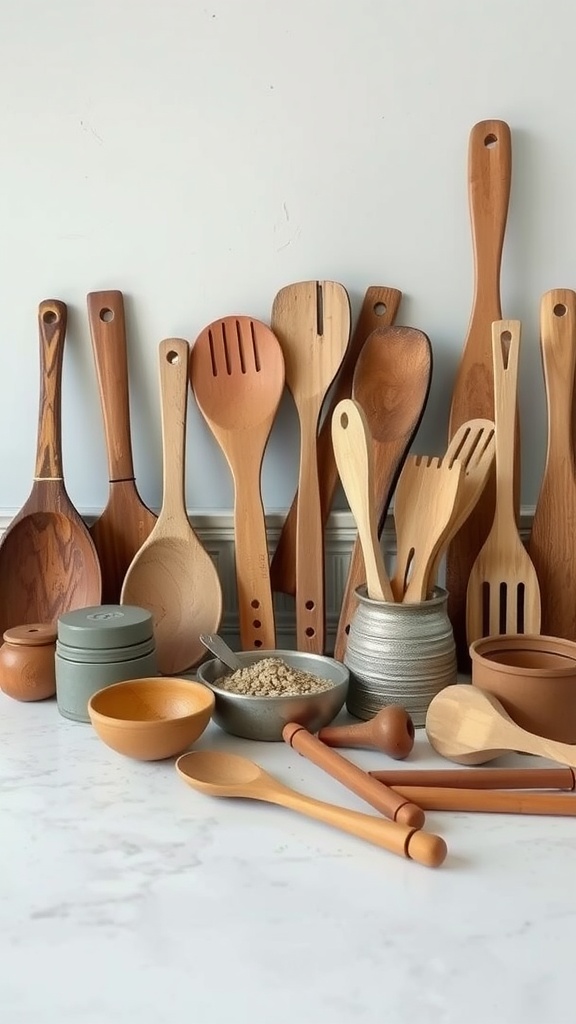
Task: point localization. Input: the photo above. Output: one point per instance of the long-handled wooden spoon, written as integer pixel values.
(173, 575)
(237, 375)
(379, 309)
(391, 383)
(126, 521)
(311, 320)
(48, 563)
(503, 594)
(219, 774)
(353, 454)
(436, 798)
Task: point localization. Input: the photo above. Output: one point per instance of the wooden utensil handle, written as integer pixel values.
(173, 365)
(490, 801)
(489, 176)
(383, 799)
(310, 625)
(505, 354)
(108, 333)
(255, 605)
(479, 778)
(52, 318)
(557, 320)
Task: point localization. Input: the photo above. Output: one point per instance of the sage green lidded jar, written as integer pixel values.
(399, 654)
(99, 646)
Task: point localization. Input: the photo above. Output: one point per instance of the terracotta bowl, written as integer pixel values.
(150, 719)
(533, 677)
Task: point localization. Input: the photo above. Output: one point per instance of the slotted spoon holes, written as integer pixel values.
(503, 608)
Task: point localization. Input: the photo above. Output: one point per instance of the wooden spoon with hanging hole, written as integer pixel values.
(126, 521)
(311, 320)
(237, 375)
(379, 309)
(172, 575)
(503, 594)
(48, 563)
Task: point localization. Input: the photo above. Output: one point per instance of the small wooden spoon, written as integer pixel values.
(391, 730)
(173, 575)
(353, 454)
(229, 775)
(48, 563)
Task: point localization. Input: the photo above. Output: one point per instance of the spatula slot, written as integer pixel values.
(505, 339)
(240, 348)
(520, 601)
(254, 347)
(319, 309)
(503, 608)
(485, 609)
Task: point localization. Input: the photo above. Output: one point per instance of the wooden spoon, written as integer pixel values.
(551, 546)
(379, 309)
(219, 774)
(503, 594)
(126, 521)
(237, 375)
(353, 454)
(48, 563)
(391, 383)
(312, 323)
(470, 726)
(173, 575)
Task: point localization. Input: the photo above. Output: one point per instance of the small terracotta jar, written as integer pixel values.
(28, 662)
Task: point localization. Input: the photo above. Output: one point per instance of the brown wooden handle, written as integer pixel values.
(108, 333)
(383, 799)
(558, 344)
(489, 177)
(52, 318)
(505, 352)
(489, 801)
(173, 356)
(310, 595)
(479, 778)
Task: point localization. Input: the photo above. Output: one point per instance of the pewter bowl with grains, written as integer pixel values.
(272, 688)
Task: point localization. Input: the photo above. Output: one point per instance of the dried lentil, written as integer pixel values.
(272, 677)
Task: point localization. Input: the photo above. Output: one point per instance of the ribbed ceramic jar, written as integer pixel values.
(399, 654)
(97, 647)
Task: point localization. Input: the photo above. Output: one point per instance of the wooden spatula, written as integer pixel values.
(503, 595)
(379, 309)
(489, 174)
(552, 545)
(311, 320)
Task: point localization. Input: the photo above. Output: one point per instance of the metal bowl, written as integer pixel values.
(263, 718)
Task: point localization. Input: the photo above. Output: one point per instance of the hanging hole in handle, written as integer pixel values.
(172, 357)
(106, 315)
(491, 140)
(560, 309)
(505, 339)
(379, 308)
(49, 316)
(344, 420)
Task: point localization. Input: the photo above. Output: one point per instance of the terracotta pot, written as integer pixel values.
(27, 662)
(534, 678)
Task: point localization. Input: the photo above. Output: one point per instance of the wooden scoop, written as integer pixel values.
(379, 309)
(126, 521)
(503, 591)
(312, 323)
(48, 563)
(470, 726)
(237, 375)
(173, 575)
(391, 383)
(219, 774)
(353, 454)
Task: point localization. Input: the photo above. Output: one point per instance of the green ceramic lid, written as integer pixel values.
(105, 626)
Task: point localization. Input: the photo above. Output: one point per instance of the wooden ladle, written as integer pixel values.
(173, 575)
(220, 774)
(48, 563)
(391, 730)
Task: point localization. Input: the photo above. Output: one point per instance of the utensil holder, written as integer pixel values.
(399, 654)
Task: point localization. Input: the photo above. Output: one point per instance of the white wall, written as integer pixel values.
(200, 154)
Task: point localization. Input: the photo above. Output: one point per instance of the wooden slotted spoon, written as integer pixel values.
(379, 309)
(353, 454)
(503, 594)
(48, 563)
(311, 320)
(126, 522)
(237, 375)
(173, 575)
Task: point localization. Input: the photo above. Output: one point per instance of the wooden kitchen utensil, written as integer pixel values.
(172, 575)
(219, 774)
(48, 563)
(353, 454)
(481, 778)
(490, 801)
(350, 775)
(426, 502)
(489, 175)
(470, 726)
(391, 730)
(237, 375)
(551, 545)
(311, 320)
(503, 595)
(379, 309)
(126, 522)
(391, 383)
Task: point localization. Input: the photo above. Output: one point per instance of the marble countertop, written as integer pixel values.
(128, 898)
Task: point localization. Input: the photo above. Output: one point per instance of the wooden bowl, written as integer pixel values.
(534, 678)
(150, 719)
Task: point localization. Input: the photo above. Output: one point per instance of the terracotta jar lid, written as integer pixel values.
(38, 634)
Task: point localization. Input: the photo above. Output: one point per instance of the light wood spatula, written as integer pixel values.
(503, 594)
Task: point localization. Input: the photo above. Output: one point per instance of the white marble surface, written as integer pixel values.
(127, 898)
